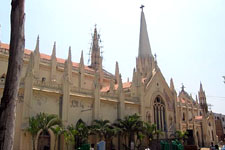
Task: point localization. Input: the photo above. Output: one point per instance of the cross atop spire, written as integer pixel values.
(182, 87)
(144, 44)
(142, 6)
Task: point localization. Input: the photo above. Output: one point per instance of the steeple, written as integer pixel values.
(144, 44)
(95, 51)
(145, 60)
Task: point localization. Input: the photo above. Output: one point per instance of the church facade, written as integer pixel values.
(73, 91)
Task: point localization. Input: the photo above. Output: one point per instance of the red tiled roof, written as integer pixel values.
(105, 89)
(125, 85)
(47, 57)
(182, 100)
(198, 117)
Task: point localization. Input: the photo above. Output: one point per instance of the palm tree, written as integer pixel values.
(69, 136)
(103, 129)
(82, 133)
(99, 127)
(149, 131)
(33, 129)
(58, 130)
(42, 122)
(130, 126)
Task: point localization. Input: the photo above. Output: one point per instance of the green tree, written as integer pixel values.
(182, 136)
(149, 131)
(69, 135)
(42, 122)
(33, 129)
(104, 130)
(82, 133)
(130, 126)
(58, 130)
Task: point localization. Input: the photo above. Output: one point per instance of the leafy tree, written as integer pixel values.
(182, 136)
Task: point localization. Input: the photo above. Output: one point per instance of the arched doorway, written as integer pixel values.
(44, 141)
(159, 114)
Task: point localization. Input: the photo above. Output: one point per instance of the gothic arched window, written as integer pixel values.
(159, 114)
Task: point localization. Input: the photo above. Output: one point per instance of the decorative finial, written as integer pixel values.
(182, 87)
(142, 6)
(155, 56)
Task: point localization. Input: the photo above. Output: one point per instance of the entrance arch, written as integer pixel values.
(44, 141)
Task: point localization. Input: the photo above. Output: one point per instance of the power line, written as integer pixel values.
(221, 97)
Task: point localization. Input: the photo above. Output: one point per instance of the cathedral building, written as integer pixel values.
(73, 90)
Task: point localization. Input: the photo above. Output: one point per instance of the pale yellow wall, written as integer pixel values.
(80, 108)
(44, 102)
(108, 111)
(131, 109)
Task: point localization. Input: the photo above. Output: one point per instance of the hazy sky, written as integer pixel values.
(188, 36)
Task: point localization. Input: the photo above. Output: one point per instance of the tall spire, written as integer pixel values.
(144, 44)
(145, 58)
(95, 51)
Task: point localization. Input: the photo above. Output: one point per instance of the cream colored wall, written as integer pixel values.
(108, 111)
(44, 102)
(3, 65)
(131, 109)
(80, 108)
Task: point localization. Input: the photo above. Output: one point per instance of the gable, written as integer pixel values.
(157, 86)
